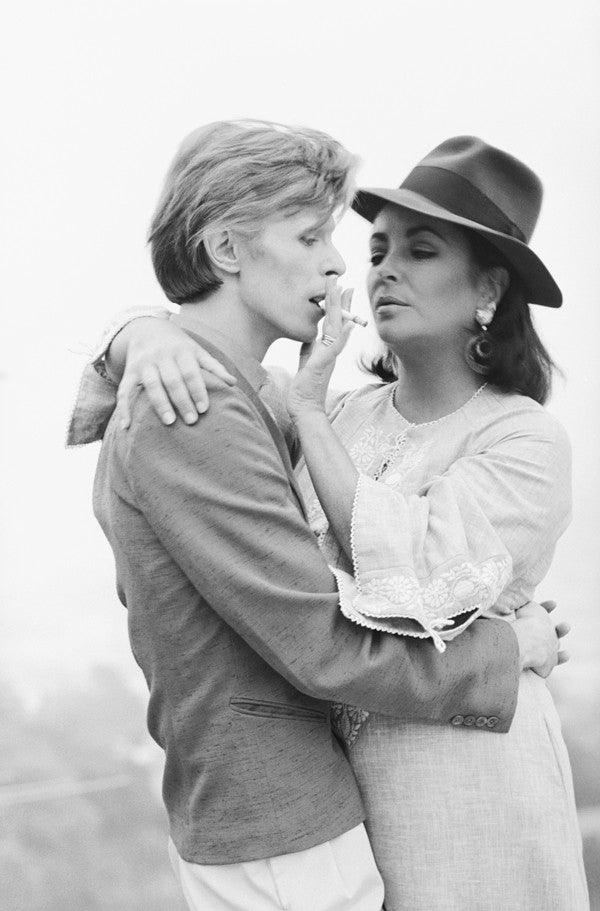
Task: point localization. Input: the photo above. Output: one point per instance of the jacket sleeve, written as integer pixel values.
(216, 495)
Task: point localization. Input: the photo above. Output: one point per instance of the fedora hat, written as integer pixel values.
(470, 183)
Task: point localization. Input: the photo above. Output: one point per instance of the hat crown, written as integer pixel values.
(507, 183)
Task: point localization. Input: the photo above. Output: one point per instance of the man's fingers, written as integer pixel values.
(563, 657)
(549, 605)
(152, 383)
(562, 629)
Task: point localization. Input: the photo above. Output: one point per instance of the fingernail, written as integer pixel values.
(189, 417)
(168, 417)
(201, 407)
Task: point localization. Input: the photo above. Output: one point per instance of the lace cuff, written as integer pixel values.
(388, 593)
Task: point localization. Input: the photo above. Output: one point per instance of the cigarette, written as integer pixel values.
(354, 318)
(348, 316)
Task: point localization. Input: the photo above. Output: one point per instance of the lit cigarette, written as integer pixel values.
(348, 316)
(354, 319)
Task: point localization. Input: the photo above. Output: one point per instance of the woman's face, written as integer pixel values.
(423, 285)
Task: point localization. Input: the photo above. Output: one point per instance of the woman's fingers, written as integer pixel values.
(152, 382)
(123, 409)
(173, 381)
(306, 349)
(184, 387)
(336, 325)
(208, 362)
(346, 299)
(332, 324)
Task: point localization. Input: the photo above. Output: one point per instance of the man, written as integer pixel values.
(233, 613)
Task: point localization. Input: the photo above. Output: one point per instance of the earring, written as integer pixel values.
(480, 348)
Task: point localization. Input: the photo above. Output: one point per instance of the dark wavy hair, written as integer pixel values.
(517, 360)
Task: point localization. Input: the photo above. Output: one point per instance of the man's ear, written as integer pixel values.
(221, 249)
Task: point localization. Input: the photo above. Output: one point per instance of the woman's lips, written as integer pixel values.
(389, 302)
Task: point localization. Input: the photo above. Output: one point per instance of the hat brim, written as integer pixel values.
(539, 284)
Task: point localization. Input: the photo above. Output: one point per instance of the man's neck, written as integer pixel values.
(225, 313)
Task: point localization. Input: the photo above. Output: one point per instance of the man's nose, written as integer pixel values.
(335, 263)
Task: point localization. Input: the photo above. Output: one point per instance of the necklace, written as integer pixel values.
(401, 438)
(445, 416)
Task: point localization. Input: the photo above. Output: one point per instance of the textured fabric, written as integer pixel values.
(96, 398)
(335, 876)
(234, 619)
(460, 822)
(456, 517)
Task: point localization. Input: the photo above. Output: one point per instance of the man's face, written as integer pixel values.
(283, 271)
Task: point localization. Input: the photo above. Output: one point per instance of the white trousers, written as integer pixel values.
(336, 876)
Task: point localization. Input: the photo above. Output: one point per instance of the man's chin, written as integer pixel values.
(305, 336)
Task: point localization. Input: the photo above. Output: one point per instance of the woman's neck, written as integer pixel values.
(433, 385)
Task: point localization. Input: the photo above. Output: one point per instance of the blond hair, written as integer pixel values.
(236, 174)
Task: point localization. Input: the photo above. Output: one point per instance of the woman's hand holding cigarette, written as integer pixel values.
(308, 389)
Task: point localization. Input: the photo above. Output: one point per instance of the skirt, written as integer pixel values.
(463, 819)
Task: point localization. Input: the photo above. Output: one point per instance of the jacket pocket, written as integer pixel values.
(275, 710)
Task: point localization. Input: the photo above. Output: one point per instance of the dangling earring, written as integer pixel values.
(479, 348)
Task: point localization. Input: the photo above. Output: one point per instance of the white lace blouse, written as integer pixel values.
(452, 519)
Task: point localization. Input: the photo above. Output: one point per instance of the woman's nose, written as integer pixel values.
(388, 269)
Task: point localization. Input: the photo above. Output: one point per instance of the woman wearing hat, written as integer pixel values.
(438, 495)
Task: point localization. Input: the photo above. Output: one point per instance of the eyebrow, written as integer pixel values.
(412, 231)
(319, 225)
(382, 236)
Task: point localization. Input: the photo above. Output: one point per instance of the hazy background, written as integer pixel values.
(96, 97)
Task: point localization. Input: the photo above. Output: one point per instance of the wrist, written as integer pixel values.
(526, 656)
(309, 415)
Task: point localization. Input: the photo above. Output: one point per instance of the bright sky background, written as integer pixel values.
(97, 97)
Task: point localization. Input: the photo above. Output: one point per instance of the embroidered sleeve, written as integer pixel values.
(97, 395)
(427, 565)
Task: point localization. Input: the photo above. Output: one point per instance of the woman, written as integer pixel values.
(458, 479)
(454, 481)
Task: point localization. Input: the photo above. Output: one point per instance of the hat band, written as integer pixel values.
(459, 196)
